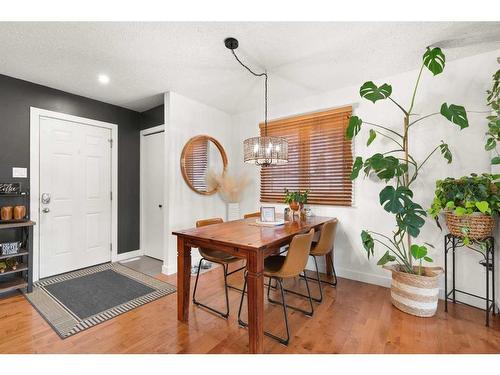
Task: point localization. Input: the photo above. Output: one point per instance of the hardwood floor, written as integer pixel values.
(354, 318)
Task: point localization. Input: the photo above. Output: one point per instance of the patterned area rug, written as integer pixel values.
(76, 301)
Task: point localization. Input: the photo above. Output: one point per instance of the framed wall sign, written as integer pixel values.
(10, 188)
(267, 214)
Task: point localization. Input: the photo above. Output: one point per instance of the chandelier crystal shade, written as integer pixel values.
(264, 150)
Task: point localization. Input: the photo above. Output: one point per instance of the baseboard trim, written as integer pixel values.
(128, 254)
(369, 278)
(171, 269)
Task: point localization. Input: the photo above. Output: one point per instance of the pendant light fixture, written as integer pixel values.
(263, 151)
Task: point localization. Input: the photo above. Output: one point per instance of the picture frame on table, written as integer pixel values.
(267, 214)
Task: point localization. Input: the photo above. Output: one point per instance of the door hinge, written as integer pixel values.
(110, 142)
(111, 195)
(111, 247)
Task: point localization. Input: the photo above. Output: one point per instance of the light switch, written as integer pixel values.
(19, 172)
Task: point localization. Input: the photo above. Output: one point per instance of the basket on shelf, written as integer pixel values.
(477, 225)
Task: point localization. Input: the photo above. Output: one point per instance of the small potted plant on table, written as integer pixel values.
(469, 204)
(296, 200)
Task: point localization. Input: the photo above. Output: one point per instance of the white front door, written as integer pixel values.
(153, 150)
(75, 196)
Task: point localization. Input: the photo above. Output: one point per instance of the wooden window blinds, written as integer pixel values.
(319, 158)
(196, 163)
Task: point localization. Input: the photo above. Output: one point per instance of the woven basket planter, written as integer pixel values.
(414, 294)
(479, 225)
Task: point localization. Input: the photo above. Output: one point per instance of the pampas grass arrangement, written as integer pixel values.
(229, 186)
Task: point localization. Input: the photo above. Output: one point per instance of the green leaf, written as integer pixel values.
(356, 167)
(411, 219)
(484, 207)
(427, 259)
(386, 167)
(495, 160)
(460, 211)
(434, 60)
(456, 114)
(353, 127)
(490, 144)
(392, 199)
(418, 252)
(386, 258)
(368, 242)
(373, 93)
(446, 152)
(450, 205)
(372, 136)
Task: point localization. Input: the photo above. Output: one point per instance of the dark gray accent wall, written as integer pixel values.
(153, 117)
(16, 98)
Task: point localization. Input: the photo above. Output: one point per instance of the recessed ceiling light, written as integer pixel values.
(103, 79)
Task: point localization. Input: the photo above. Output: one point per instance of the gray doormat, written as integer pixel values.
(78, 300)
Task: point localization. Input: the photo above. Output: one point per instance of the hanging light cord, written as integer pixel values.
(257, 75)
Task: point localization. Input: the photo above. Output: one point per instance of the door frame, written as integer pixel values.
(35, 115)
(142, 133)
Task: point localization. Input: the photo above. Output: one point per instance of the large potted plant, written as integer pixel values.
(414, 286)
(469, 204)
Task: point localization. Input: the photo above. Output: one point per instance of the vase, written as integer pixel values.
(233, 211)
(415, 294)
(294, 206)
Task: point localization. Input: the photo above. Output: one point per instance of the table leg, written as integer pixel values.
(183, 279)
(255, 277)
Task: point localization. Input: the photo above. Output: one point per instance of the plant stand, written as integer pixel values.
(451, 244)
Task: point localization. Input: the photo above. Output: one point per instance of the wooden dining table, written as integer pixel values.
(246, 240)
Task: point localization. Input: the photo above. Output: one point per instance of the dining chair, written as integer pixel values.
(280, 267)
(253, 214)
(218, 257)
(323, 247)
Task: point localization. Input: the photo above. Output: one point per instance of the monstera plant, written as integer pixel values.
(398, 169)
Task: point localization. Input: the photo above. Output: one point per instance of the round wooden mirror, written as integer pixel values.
(200, 154)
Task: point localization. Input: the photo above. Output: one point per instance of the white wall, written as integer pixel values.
(185, 118)
(462, 82)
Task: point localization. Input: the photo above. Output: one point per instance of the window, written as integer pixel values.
(319, 158)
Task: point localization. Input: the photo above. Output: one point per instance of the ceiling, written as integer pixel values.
(143, 59)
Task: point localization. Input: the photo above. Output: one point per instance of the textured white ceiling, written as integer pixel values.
(144, 60)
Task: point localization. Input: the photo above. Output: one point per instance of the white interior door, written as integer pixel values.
(153, 206)
(75, 196)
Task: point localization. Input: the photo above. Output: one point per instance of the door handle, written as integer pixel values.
(45, 198)
(46, 210)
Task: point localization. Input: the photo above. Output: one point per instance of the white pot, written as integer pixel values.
(233, 211)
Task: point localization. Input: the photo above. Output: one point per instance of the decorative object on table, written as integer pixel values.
(470, 204)
(19, 212)
(6, 213)
(7, 188)
(398, 169)
(487, 251)
(198, 154)
(286, 214)
(493, 100)
(10, 248)
(267, 214)
(263, 151)
(230, 187)
(68, 307)
(296, 200)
